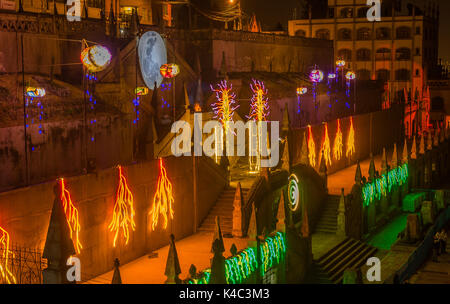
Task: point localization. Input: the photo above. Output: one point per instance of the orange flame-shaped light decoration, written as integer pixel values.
(71, 216)
(6, 274)
(326, 147)
(338, 143)
(163, 199)
(311, 148)
(350, 140)
(123, 214)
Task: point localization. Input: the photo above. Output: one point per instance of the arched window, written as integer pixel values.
(300, 33)
(363, 55)
(363, 74)
(345, 34)
(403, 54)
(346, 12)
(403, 32)
(403, 75)
(383, 33)
(345, 54)
(362, 12)
(323, 34)
(364, 34)
(383, 54)
(384, 75)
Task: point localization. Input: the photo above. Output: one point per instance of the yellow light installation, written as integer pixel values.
(6, 274)
(311, 148)
(326, 147)
(350, 140)
(123, 214)
(163, 200)
(71, 213)
(338, 143)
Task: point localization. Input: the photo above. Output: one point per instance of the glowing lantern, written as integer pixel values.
(350, 75)
(293, 192)
(316, 76)
(326, 147)
(123, 214)
(338, 143)
(163, 200)
(95, 58)
(331, 76)
(35, 92)
(302, 91)
(311, 148)
(350, 140)
(5, 256)
(169, 70)
(141, 91)
(71, 213)
(340, 63)
(197, 108)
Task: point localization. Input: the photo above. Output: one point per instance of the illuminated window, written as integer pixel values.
(364, 34)
(383, 54)
(383, 33)
(345, 54)
(346, 12)
(363, 55)
(323, 34)
(300, 33)
(403, 32)
(345, 34)
(362, 12)
(403, 54)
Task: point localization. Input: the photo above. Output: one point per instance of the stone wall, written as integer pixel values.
(25, 212)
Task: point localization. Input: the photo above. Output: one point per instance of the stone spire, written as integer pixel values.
(285, 124)
(218, 234)
(218, 264)
(429, 141)
(371, 168)
(304, 152)
(394, 160)
(358, 175)
(252, 232)
(237, 211)
(384, 162)
(414, 149)
(285, 158)
(422, 145)
(117, 279)
(112, 22)
(58, 244)
(281, 215)
(405, 152)
(173, 268)
(187, 102)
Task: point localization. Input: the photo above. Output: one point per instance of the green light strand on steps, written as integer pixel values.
(383, 185)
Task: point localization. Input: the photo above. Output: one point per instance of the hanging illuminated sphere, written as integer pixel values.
(316, 76)
(350, 75)
(35, 92)
(293, 193)
(302, 90)
(141, 91)
(169, 70)
(95, 58)
(331, 76)
(340, 63)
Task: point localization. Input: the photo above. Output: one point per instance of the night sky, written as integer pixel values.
(270, 12)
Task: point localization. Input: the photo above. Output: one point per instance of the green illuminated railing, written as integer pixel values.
(241, 266)
(383, 185)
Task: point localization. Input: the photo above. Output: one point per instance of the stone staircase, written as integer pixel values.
(224, 209)
(349, 253)
(327, 221)
(317, 275)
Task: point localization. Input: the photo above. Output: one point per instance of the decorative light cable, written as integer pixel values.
(383, 185)
(6, 255)
(349, 77)
(311, 148)
(326, 146)
(300, 91)
(91, 78)
(338, 143)
(350, 140)
(163, 199)
(123, 213)
(71, 213)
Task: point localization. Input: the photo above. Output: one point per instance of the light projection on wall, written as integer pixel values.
(326, 146)
(152, 55)
(293, 193)
(6, 256)
(95, 58)
(71, 213)
(383, 185)
(163, 199)
(338, 142)
(259, 111)
(311, 148)
(350, 140)
(123, 213)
